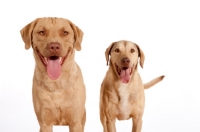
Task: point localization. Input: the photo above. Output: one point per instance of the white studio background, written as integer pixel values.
(167, 31)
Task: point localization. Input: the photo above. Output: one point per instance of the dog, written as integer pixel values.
(58, 88)
(122, 90)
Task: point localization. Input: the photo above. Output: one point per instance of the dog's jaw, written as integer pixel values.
(124, 73)
(53, 64)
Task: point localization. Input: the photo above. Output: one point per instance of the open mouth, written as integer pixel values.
(53, 64)
(124, 73)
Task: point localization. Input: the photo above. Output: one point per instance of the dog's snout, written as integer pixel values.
(125, 61)
(54, 47)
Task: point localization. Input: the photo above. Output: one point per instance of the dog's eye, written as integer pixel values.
(65, 33)
(132, 50)
(41, 32)
(117, 50)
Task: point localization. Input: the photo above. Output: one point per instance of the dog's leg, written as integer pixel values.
(103, 120)
(46, 128)
(46, 118)
(107, 123)
(83, 120)
(76, 127)
(111, 125)
(137, 125)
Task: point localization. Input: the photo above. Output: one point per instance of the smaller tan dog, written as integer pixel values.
(122, 90)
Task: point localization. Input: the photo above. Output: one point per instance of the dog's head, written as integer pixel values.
(123, 56)
(53, 41)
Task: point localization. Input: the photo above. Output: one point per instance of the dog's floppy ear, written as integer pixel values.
(108, 50)
(78, 35)
(26, 33)
(141, 55)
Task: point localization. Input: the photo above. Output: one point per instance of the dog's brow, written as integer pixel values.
(125, 43)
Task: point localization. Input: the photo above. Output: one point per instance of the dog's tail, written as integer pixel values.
(153, 82)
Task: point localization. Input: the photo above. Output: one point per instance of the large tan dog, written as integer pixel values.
(58, 87)
(122, 90)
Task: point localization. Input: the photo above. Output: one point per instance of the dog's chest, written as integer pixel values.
(58, 92)
(124, 101)
(123, 95)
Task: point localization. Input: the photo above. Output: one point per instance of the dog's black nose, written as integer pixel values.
(125, 61)
(54, 47)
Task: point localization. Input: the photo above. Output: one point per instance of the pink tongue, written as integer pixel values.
(53, 69)
(125, 76)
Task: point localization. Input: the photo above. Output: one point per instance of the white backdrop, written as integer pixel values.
(167, 31)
